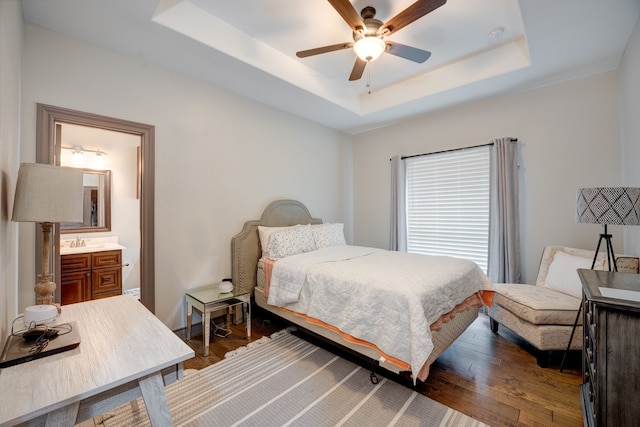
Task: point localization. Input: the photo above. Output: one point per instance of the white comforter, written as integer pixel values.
(387, 298)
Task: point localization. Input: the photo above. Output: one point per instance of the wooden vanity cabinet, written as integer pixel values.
(90, 275)
(75, 278)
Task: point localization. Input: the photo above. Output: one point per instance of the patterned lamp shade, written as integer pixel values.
(608, 205)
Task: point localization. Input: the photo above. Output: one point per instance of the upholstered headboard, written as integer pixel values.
(245, 246)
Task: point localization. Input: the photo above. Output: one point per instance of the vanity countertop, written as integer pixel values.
(64, 250)
(90, 245)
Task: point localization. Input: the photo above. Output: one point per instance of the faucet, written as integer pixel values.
(78, 243)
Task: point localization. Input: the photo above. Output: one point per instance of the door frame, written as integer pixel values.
(46, 119)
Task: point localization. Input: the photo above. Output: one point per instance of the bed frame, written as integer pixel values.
(246, 251)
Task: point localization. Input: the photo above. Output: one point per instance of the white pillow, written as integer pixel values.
(328, 235)
(264, 233)
(562, 275)
(291, 241)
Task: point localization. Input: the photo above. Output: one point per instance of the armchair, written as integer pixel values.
(544, 314)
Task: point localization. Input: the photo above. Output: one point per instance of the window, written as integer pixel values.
(447, 198)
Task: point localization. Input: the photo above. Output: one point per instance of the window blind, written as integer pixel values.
(447, 197)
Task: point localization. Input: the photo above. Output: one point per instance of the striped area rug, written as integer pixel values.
(283, 380)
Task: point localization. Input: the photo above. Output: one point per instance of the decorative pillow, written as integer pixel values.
(292, 241)
(627, 264)
(328, 235)
(264, 233)
(562, 275)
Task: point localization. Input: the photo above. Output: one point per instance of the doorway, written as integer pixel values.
(47, 151)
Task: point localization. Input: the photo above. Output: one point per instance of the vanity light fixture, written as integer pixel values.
(99, 161)
(78, 155)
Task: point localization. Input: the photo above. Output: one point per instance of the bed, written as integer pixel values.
(248, 272)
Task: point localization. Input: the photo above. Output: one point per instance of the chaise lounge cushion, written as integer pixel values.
(535, 304)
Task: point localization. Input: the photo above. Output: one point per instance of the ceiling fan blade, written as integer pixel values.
(407, 52)
(412, 13)
(324, 49)
(358, 69)
(348, 13)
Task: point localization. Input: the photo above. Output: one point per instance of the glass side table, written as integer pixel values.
(209, 299)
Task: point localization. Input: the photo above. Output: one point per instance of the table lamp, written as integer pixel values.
(47, 194)
(605, 205)
(608, 205)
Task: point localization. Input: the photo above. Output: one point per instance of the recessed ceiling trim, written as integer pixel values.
(489, 63)
(190, 20)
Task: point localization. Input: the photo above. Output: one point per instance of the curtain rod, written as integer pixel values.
(452, 149)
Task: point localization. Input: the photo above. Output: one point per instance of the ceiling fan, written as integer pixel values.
(369, 33)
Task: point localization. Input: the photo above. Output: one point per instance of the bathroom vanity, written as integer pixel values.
(90, 271)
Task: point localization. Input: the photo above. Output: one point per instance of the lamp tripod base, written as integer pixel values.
(611, 260)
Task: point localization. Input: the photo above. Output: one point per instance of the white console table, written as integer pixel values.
(125, 352)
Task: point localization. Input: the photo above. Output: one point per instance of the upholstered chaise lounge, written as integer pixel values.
(544, 314)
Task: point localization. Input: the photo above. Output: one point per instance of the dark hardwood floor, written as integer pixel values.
(491, 377)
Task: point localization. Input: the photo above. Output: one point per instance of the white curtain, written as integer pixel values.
(504, 221)
(398, 241)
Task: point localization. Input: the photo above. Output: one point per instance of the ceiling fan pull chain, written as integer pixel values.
(369, 76)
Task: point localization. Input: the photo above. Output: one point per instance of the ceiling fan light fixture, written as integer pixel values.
(369, 48)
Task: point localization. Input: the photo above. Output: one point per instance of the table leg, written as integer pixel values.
(206, 329)
(189, 315)
(248, 320)
(65, 416)
(155, 399)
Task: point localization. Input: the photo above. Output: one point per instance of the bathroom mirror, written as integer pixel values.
(96, 204)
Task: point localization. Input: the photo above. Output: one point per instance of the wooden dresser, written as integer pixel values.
(611, 353)
(90, 275)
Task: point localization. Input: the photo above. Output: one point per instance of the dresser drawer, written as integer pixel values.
(75, 262)
(107, 259)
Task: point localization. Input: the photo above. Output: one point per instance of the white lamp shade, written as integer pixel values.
(608, 205)
(46, 193)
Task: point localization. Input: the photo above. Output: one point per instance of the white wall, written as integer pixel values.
(220, 158)
(630, 127)
(568, 138)
(11, 43)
